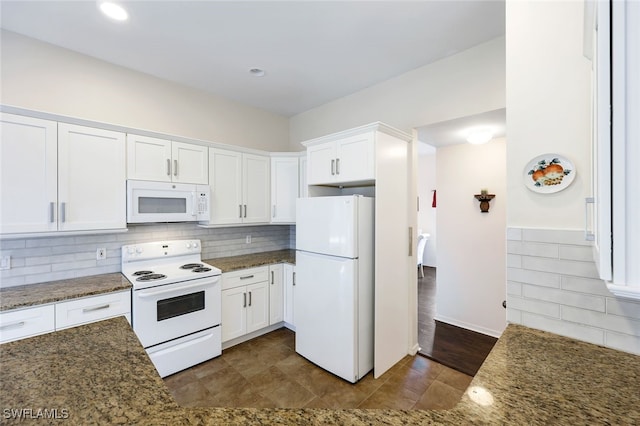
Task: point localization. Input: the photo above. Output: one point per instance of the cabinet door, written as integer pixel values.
(234, 313)
(190, 163)
(303, 190)
(91, 178)
(256, 189)
(284, 189)
(355, 158)
(321, 164)
(225, 180)
(148, 158)
(276, 294)
(28, 174)
(289, 288)
(257, 306)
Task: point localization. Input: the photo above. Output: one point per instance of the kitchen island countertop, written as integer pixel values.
(100, 374)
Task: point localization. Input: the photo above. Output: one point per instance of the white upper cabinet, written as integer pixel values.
(347, 160)
(284, 189)
(303, 190)
(28, 175)
(162, 160)
(91, 178)
(239, 187)
(60, 177)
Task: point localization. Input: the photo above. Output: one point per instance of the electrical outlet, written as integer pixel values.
(101, 254)
(5, 262)
(248, 239)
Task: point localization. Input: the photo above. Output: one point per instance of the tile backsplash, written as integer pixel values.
(553, 285)
(35, 260)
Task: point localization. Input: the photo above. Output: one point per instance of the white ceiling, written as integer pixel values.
(312, 51)
(453, 132)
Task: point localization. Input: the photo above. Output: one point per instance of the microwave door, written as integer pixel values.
(160, 205)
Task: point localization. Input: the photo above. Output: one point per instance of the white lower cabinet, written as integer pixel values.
(289, 288)
(276, 294)
(90, 309)
(22, 323)
(245, 302)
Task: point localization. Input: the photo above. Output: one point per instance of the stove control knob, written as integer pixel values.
(139, 250)
(130, 251)
(188, 245)
(195, 245)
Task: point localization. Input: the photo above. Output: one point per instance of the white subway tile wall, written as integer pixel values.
(35, 260)
(553, 285)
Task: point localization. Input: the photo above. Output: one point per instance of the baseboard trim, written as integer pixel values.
(472, 327)
(252, 335)
(414, 349)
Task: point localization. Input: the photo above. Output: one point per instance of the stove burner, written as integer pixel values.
(135, 274)
(201, 269)
(191, 266)
(151, 277)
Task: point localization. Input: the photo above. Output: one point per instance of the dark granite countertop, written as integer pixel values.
(55, 291)
(100, 374)
(234, 263)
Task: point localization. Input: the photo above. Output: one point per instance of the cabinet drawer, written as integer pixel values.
(244, 277)
(89, 309)
(23, 323)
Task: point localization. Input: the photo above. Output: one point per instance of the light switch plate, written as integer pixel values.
(5, 262)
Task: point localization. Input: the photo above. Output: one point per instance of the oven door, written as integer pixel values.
(174, 310)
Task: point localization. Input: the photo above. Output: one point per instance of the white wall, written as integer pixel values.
(427, 214)
(464, 84)
(42, 77)
(552, 280)
(548, 108)
(471, 244)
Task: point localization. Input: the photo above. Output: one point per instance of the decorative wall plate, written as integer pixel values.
(549, 173)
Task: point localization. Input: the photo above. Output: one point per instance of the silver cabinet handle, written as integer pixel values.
(588, 235)
(410, 241)
(175, 167)
(97, 308)
(52, 211)
(333, 167)
(249, 298)
(168, 167)
(294, 278)
(240, 208)
(12, 325)
(63, 212)
(244, 300)
(246, 277)
(272, 278)
(274, 210)
(337, 166)
(245, 210)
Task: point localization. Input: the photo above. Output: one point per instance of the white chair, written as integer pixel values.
(422, 242)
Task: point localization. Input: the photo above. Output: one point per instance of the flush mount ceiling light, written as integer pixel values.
(113, 10)
(256, 72)
(479, 136)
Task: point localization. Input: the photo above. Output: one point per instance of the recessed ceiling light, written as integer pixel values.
(256, 72)
(113, 11)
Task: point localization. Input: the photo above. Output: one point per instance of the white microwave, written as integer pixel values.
(166, 202)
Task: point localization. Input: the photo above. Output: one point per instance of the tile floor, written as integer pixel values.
(266, 372)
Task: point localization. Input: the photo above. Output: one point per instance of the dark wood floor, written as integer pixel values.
(455, 347)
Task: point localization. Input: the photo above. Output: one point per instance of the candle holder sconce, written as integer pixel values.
(484, 199)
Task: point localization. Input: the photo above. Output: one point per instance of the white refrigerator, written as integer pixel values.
(333, 297)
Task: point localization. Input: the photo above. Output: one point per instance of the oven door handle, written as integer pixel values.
(173, 289)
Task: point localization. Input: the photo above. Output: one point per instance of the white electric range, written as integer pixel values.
(176, 303)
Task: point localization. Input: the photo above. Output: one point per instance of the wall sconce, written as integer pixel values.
(484, 197)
